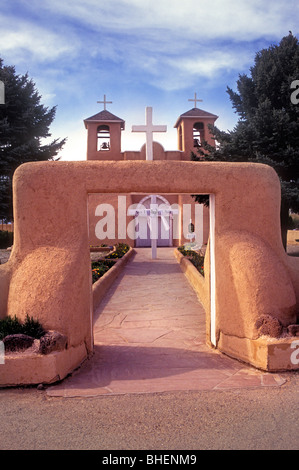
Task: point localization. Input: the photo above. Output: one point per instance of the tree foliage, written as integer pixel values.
(24, 122)
(267, 130)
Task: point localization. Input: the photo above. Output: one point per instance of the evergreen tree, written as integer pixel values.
(268, 127)
(24, 121)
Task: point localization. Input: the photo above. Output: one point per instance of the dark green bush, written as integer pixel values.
(32, 328)
(120, 250)
(12, 326)
(196, 259)
(99, 268)
(6, 239)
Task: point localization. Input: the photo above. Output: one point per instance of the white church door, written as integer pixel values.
(142, 223)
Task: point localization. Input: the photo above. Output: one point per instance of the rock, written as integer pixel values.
(17, 342)
(52, 341)
(293, 330)
(269, 326)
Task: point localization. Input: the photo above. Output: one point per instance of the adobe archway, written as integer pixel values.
(256, 283)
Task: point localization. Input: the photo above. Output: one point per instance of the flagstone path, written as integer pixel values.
(149, 336)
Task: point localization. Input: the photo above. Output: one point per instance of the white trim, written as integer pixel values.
(90, 283)
(2, 353)
(212, 270)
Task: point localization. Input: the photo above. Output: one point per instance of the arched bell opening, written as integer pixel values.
(103, 138)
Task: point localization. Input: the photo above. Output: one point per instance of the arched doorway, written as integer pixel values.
(143, 223)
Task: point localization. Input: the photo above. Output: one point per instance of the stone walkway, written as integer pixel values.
(149, 334)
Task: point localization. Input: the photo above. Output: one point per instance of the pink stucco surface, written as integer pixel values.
(254, 276)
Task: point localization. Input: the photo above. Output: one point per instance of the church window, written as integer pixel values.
(198, 134)
(103, 138)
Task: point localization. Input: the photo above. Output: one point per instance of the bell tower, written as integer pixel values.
(192, 129)
(104, 135)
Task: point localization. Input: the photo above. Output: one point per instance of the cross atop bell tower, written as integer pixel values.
(104, 135)
(193, 129)
(105, 102)
(195, 99)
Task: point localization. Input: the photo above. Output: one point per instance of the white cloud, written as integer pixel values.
(230, 19)
(209, 64)
(159, 39)
(77, 50)
(22, 38)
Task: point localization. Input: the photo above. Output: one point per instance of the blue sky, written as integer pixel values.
(139, 53)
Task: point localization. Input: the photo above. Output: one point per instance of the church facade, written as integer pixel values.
(127, 218)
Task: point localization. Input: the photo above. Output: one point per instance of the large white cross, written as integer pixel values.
(149, 129)
(195, 99)
(105, 102)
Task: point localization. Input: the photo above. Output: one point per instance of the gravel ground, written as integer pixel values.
(4, 256)
(252, 419)
(293, 250)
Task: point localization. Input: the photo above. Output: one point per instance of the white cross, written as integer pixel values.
(105, 102)
(149, 129)
(152, 214)
(195, 99)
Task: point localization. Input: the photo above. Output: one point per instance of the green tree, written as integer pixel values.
(24, 122)
(267, 130)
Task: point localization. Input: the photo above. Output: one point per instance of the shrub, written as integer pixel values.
(6, 239)
(196, 258)
(99, 268)
(120, 250)
(33, 328)
(12, 326)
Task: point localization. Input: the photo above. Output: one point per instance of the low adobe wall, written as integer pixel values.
(101, 286)
(199, 283)
(7, 227)
(293, 237)
(32, 368)
(257, 284)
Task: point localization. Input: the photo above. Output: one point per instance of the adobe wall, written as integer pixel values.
(48, 275)
(7, 227)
